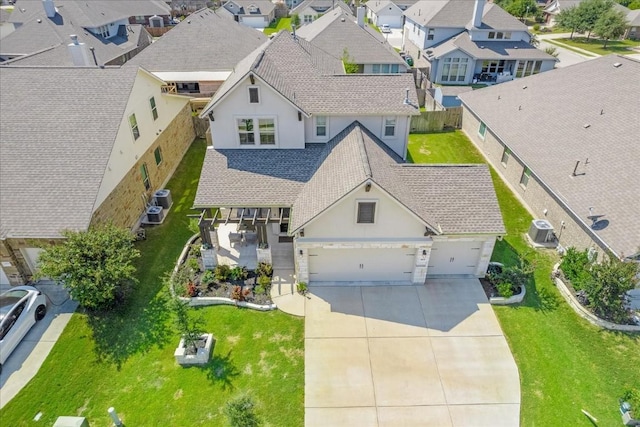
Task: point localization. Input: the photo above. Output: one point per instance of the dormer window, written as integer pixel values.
(254, 95)
(253, 9)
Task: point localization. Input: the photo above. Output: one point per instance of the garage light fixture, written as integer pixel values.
(367, 187)
(300, 252)
(424, 252)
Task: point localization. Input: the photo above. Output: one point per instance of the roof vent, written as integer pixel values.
(515, 47)
(586, 125)
(342, 19)
(406, 98)
(38, 20)
(481, 46)
(617, 65)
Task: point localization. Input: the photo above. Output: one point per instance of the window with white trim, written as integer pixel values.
(254, 95)
(145, 176)
(245, 132)
(524, 179)
(154, 108)
(389, 126)
(308, 18)
(133, 123)
(454, 69)
(366, 212)
(528, 68)
(431, 32)
(375, 68)
(321, 126)
(262, 134)
(157, 153)
(482, 130)
(505, 157)
(267, 128)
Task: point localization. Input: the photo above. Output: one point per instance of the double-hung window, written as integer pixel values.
(505, 157)
(145, 176)
(366, 212)
(157, 153)
(389, 126)
(134, 126)
(154, 108)
(245, 132)
(267, 131)
(250, 134)
(431, 32)
(524, 179)
(482, 130)
(321, 126)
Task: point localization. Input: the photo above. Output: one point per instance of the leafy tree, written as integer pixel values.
(589, 11)
(295, 20)
(551, 51)
(607, 287)
(611, 25)
(95, 266)
(189, 326)
(570, 19)
(241, 412)
(634, 5)
(522, 8)
(347, 60)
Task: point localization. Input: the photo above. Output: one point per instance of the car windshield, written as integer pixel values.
(9, 299)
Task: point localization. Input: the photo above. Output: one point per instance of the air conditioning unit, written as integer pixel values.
(155, 214)
(541, 231)
(163, 198)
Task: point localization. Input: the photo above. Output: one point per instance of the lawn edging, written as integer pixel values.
(203, 301)
(514, 299)
(583, 312)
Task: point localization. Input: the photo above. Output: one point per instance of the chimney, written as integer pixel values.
(478, 9)
(361, 16)
(79, 52)
(49, 8)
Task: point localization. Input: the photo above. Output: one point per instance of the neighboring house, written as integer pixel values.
(633, 28)
(554, 7)
(252, 13)
(201, 69)
(307, 153)
(81, 146)
(380, 12)
(464, 42)
(185, 7)
(6, 27)
(570, 156)
(447, 96)
(338, 34)
(310, 10)
(113, 29)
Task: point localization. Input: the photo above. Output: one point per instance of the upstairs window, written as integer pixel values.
(492, 34)
(254, 95)
(154, 109)
(366, 212)
(390, 126)
(321, 126)
(134, 126)
(431, 32)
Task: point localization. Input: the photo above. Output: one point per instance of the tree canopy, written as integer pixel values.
(611, 25)
(95, 266)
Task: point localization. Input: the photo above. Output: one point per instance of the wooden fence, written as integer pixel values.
(436, 121)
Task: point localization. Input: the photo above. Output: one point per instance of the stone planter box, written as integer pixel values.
(583, 312)
(514, 299)
(201, 357)
(199, 301)
(264, 255)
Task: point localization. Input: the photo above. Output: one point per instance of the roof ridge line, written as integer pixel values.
(364, 156)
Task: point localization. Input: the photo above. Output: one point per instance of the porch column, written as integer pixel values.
(301, 256)
(421, 265)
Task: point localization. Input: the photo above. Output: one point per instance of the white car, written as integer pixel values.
(385, 28)
(20, 308)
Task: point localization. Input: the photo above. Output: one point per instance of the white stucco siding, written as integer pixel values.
(126, 149)
(375, 125)
(392, 220)
(289, 131)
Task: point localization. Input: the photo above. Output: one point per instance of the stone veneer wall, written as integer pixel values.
(535, 196)
(125, 205)
(17, 270)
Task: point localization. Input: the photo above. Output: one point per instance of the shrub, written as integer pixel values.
(302, 288)
(241, 412)
(221, 272)
(196, 250)
(207, 277)
(191, 289)
(505, 289)
(607, 288)
(188, 325)
(193, 226)
(632, 396)
(239, 273)
(240, 294)
(536, 27)
(575, 266)
(265, 269)
(259, 290)
(264, 281)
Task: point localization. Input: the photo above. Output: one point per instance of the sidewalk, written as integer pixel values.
(284, 293)
(553, 39)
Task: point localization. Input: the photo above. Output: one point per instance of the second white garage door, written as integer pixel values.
(354, 265)
(454, 258)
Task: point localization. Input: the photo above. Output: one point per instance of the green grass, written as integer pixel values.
(279, 24)
(564, 46)
(565, 363)
(621, 47)
(124, 358)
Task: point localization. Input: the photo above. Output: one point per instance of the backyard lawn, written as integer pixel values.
(621, 47)
(279, 24)
(124, 358)
(565, 363)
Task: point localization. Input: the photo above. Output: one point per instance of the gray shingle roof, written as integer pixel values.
(544, 126)
(459, 14)
(490, 49)
(336, 31)
(315, 83)
(634, 18)
(54, 153)
(216, 43)
(92, 13)
(455, 90)
(322, 6)
(264, 7)
(451, 198)
(377, 5)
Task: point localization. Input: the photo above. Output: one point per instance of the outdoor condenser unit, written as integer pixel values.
(163, 198)
(541, 231)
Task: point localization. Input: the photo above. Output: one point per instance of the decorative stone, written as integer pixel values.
(264, 255)
(202, 354)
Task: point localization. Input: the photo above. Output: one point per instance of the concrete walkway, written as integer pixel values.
(430, 355)
(28, 357)
(284, 293)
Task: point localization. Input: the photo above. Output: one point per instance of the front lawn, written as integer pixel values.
(279, 24)
(124, 358)
(565, 363)
(621, 47)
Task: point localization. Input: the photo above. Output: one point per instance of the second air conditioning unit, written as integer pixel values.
(163, 198)
(155, 214)
(541, 231)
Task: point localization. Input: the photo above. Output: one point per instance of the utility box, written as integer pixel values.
(71, 422)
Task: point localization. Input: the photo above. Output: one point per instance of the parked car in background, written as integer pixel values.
(385, 28)
(409, 60)
(20, 308)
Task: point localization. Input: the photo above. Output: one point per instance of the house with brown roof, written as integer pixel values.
(569, 156)
(464, 42)
(307, 156)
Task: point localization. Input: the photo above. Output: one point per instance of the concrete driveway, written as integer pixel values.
(430, 355)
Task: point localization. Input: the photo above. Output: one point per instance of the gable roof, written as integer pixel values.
(544, 126)
(220, 44)
(321, 6)
(450, 198)
(264, 7)
(314, 81)
(634, 18)
(459, 14)
(336, 31)
(484, 49)
(89, 14)
(54, 153)
(376, 6)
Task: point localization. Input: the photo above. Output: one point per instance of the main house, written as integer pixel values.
(81, 146)
(569, 155)
(114, 30)
(465, 42)
(307, 152)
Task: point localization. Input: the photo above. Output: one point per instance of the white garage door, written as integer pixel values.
(355, 265)
(454, 258)
(254, 21)
(392, 21)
